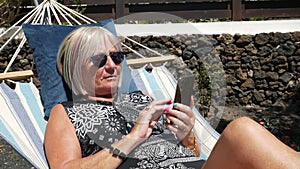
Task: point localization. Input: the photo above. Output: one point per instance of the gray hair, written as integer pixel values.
(76, 49)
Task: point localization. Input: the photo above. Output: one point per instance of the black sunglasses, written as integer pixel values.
(101, 59)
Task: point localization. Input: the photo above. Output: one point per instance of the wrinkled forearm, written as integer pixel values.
(105, 158)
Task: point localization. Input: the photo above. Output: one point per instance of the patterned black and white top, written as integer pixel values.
(99, 124)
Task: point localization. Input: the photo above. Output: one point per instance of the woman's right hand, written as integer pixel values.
(147, 119)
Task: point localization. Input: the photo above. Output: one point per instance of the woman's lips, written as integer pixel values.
(110, 77)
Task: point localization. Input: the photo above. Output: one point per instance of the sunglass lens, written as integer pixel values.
(117, 57)
(99, 60)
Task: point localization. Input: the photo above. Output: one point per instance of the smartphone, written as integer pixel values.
(183, 94)
(184, 89)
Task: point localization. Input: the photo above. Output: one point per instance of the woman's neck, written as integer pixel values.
(108, 97)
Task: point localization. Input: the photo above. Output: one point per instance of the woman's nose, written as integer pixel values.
(110, 62)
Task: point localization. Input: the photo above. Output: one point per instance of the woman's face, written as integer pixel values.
(104, 69)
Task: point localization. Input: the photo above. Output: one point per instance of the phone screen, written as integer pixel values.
(184, 89)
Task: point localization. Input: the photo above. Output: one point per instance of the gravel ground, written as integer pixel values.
(10, 158)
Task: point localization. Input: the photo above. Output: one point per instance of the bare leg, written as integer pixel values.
(246, 144)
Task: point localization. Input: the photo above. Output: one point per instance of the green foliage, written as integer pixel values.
(79, 8)
(9, 10)
(204, 79)
(256, 19)
(292, 141)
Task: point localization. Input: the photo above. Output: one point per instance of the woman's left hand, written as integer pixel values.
(181, 119)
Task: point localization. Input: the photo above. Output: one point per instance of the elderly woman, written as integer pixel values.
(102, 128)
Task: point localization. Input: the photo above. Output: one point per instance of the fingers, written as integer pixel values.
(153, 111)
(158, 103)
(178, 124)
(192, 102)
(183, 122)
(178, 128)
(182, 112)
(178, 117)
(181, 119)
(148, 117)
(162, 102)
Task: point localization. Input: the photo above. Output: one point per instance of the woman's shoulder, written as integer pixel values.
(57, 115)
(57, 110)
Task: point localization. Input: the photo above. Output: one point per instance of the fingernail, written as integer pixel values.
(175, 105)
(167, 109)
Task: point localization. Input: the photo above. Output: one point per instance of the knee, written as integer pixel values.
(240, 127)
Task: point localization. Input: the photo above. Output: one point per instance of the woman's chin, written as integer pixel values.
(109, 89)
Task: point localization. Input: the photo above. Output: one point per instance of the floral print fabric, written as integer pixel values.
(99, 124)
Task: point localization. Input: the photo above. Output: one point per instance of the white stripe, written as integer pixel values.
(145, 81)
(167, 82)
(15, 128)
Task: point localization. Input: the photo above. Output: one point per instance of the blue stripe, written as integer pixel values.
(137, 79)
(23, 117)
(5, 133)
(25, 89)
(127, 83)
(152, 81)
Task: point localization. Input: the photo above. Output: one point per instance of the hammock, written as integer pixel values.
(22, 119)
(22, 124)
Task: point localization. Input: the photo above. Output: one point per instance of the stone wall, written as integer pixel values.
(261, 72)
(23, 61)
(262, 69)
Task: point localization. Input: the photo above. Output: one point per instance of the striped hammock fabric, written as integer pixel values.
(23, 125)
